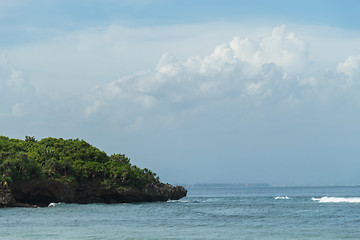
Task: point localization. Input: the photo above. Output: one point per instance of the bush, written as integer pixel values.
(69, 160)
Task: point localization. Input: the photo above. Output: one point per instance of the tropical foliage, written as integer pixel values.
(67, 160)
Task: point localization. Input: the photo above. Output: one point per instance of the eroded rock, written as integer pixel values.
(42, 193)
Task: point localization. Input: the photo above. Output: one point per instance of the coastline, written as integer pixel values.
(41, 193)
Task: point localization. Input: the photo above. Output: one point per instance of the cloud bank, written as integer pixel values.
(244, 73)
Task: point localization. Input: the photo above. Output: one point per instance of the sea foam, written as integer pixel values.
(337, 199)
(286, 198)
(54, 204)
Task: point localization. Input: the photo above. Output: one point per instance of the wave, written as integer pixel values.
(180, 201)
(337, 199)
(54, 204)
(283, 198)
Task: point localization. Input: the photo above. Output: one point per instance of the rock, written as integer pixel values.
(42, 193)
(7, 199)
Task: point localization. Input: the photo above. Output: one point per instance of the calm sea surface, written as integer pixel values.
(206, 213)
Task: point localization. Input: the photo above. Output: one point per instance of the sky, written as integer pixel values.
(197, 91)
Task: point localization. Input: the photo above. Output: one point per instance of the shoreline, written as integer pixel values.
(35, 194)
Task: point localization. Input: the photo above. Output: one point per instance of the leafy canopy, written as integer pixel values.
(67, 160)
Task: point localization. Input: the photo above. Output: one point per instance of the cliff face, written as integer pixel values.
(41, 193)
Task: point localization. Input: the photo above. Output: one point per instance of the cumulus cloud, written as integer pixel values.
(243, 73)
(281, 48)
(241, 68)
(270, 70)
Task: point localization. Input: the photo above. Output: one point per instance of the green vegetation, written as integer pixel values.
(71, 160)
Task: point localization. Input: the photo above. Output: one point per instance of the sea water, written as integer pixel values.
(208, 212)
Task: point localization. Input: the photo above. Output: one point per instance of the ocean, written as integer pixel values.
(208, 212)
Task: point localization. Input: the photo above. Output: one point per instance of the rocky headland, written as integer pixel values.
(37, 173)
(42, 193)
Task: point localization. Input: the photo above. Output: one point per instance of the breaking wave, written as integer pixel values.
(337, 199)
(54, 204)
(286, 198)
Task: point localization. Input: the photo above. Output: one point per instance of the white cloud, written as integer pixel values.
(15, 91)
(11, 76)
(283, 49)
(350, 67)
(270, 70)
(256, 72)
(69, 62)
(168, 65)
(72, 62)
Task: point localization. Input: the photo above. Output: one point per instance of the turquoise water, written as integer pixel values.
(206, 213)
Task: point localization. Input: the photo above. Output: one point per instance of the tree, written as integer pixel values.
(30, 139)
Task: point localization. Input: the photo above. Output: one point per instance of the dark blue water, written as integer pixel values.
(206, 213)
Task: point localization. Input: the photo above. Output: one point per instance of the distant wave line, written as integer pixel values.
(337, 199)
(283, 198)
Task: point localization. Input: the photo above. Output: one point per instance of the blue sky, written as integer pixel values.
(198, 91)
(95, 12)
